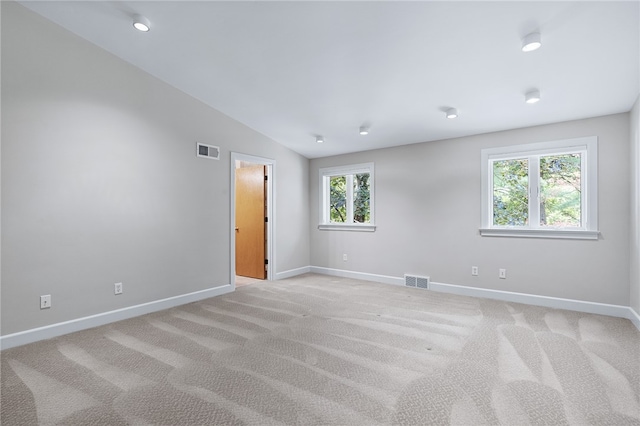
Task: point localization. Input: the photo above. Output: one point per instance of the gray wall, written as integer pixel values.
(100, 182)
(428, 214)
(635, 207)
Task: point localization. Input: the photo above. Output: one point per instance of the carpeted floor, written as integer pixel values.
(318, 350)
(242, 281)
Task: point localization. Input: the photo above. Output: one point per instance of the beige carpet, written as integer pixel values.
(316, 350)
(242, 281)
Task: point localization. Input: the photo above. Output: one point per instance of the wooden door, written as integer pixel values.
(250, 221)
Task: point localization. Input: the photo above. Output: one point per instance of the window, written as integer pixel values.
(346, 198)
(546, 190)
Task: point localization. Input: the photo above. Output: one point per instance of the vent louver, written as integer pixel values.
(207, 151)
(416, 281)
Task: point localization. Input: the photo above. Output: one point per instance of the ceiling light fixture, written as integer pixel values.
(141, 23)
(364, 130)
(531, 42)
(452, 113)
(532, 96)
(319, 139)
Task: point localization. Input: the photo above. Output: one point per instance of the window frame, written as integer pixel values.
(325, 175)
(587, 146)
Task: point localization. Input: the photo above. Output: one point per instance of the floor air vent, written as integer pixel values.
(416, 281)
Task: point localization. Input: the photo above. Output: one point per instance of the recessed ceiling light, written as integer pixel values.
(319, 139)
(364, 130)
(141, 23)
(452, 113)
(531, 42)
(532, 96)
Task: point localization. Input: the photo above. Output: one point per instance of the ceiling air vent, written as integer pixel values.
(416, 281)
(207, 151)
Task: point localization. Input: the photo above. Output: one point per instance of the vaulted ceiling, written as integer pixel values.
(296, 70)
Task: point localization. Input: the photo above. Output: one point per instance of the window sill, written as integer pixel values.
(337, 227)
(540, 233)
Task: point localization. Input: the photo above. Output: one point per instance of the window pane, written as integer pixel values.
(511, 192)
(560, 190)
(338, 193)
(361, 198)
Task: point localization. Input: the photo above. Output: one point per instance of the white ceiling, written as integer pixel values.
(294, 70)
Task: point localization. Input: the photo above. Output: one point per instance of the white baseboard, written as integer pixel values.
(55, 330)
(532, 299)
(634, 317)
(357, 275)
(292, 273)
(507, 296)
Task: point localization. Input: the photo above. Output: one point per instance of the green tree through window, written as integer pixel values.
(346, 197)
(541, 190)
(361, 198)
(338, 188)
(339, 198)
(511, 192)
(560, 193)
(560, 190)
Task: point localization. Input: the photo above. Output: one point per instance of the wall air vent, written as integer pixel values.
(207, 151)
(416, 281)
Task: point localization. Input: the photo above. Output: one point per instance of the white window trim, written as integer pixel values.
(324, 175)
(589, 182)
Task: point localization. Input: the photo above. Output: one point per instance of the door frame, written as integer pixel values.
(271, 213)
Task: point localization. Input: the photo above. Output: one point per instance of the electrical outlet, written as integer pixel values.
(117, 287)
(45, 301)
(474, 271)
(344, 257)
(502, 274)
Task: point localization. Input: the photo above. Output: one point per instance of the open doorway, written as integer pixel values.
(252, 219)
